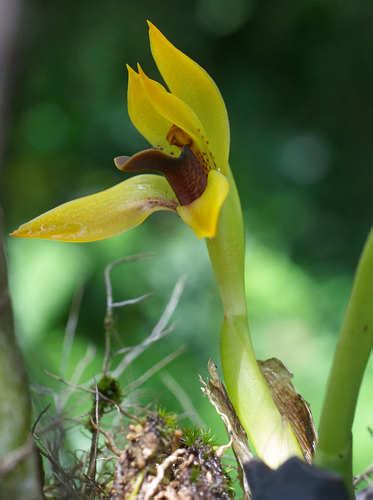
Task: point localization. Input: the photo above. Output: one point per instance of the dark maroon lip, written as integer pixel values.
(186, 174)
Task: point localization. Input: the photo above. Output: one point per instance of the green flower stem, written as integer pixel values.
(271, 437)
(334, 449)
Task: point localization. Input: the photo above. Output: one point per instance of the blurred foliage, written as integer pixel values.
(297, 80)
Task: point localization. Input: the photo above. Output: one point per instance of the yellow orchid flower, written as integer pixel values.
(188, 128)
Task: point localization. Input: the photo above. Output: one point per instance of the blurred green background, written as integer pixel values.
(297, 78)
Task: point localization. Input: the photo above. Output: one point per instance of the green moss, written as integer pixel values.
(109, 387)
(169, 419)
(110, 394)
(195, 474)
(194, 436)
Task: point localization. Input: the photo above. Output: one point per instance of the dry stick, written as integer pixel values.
(109, 326)
(78, 372)
(70, 331)
(109, 268)
(91, 471)
(71, 326)
(63, 478)
(86, 388)
(38, 419)
(111, 304)
(159, 331)
(155, 368)
(109, 441)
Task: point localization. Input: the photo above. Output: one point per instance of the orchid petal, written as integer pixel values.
(174, 110)
(203, 213)
(152, 125)
(104, 214)
(191, 83)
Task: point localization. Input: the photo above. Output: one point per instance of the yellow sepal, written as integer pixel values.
(202, 214)
(104, 214)
(149, 122)
(194, 86)
(173, 109)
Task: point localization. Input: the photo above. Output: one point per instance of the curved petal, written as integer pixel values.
(104, 214)
(151, 124)
(191, 83)
(174, 110)
(202, 214)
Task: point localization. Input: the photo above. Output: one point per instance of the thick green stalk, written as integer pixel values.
(272, 437)
(334, 449)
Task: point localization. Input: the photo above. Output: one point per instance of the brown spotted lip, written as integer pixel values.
(186, 175)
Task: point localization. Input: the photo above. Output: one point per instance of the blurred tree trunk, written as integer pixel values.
(19, 461)
(9, 30)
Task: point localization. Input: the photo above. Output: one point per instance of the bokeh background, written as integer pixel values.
(297, 78)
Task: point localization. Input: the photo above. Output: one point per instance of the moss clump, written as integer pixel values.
(193, 435)
(110, 391)
(106, 396)
(170, 420)
(187, 461)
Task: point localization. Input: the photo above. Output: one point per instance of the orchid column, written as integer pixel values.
(187, 125)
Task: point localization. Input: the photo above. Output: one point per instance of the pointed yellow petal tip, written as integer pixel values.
(188, 81)
(202, 214)
(154, 31)
(103, 214)
(31, 230)
(17, 233)
(151, 26)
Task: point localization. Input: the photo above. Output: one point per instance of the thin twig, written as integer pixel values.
(109, 268)
(155, 368)
(109, 326)
(87, 389)
(159, 331)
(64, 478)
(70, 329)
(130, 302)
(78, 372)
(91, 471)
(38, 419)
(109, 441)
(111, 304)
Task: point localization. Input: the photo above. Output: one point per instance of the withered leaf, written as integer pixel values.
(218, 397)
(291, 404)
